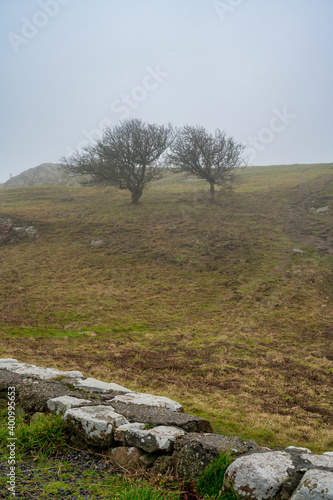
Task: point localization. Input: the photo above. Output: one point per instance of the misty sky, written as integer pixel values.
(262, 70)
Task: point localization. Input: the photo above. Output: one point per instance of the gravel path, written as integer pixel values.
(68, 467)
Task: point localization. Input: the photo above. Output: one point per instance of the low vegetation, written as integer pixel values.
(44, 469)
(222, 307)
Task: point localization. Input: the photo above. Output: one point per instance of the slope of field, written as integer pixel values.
(207, 304)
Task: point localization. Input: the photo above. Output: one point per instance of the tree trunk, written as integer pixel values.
(212, 192)
(136, 195)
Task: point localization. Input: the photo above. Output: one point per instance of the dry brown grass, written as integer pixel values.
(205, 304)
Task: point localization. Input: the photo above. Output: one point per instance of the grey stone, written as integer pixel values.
(120, 432)
(195, 452)
(315, 485)
(33, 394)
(161, 416)
(258, 476)
(95, 385)
(160, 438)
(62, 403)
(94, 424)
(139, 398)
(319, 460)
(44, 373)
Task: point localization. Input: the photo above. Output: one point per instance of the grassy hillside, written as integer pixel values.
(209, 305)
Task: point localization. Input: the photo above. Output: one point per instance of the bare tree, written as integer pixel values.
(128, 156)
(210, 157)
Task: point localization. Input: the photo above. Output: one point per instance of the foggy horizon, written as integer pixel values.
(260, 71)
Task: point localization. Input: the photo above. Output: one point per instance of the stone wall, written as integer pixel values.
(142, 430)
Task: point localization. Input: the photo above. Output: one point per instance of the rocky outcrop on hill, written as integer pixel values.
(42, 175)
(140, 430)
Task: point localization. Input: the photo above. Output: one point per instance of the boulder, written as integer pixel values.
(315, 485)
(95, 425)
(258, 476)
(155, 415)
(280, 474)
(138, 398)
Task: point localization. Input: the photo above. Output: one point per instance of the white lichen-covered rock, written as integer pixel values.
(258, 476)
(63, 403)
(120, 432)
(329, 453)
(95, 385)
(315, 485)
(159, 438)
(45, 373)
(324, 460)
(139, 398)
(31, 370)
(9, 364)
(94, 424)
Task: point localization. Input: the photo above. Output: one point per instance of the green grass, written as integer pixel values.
(208, 305)
(210, 485)
(38, 442)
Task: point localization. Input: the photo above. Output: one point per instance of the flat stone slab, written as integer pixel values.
(315, 485)
(62, 403)
(258, 476)
(95, 385)
(139, 398)
(36, 371)
(155, 416)
(94, 424)
(9, 364)
(159, 438)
